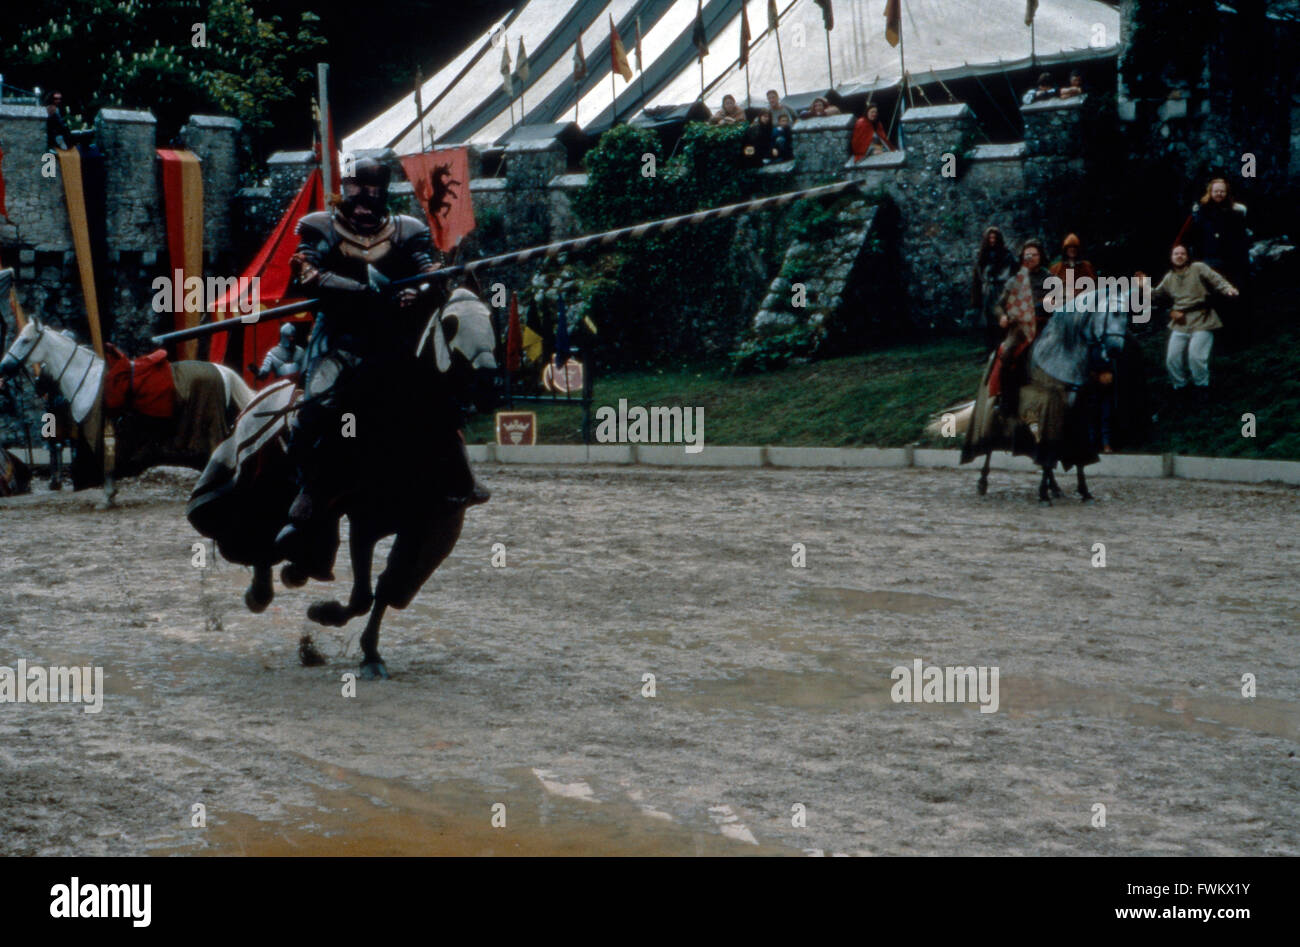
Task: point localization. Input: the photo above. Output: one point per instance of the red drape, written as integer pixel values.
(272, 266)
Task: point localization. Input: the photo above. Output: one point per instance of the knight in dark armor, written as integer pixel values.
(283, 360)
(361, 347)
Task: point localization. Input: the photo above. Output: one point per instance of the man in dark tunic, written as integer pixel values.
(361, 348)
(57, 134)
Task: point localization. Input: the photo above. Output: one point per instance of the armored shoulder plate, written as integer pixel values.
(409, 228)
(316, 226)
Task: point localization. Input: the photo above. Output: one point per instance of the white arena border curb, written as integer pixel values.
(1226, 469)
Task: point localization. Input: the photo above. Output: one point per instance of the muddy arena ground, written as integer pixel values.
(523, 685)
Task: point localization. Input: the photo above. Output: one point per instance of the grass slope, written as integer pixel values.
(884, 398)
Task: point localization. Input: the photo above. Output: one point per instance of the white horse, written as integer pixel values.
(79, 374)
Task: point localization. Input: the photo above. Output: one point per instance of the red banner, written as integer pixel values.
(441, 183)
(271, 265)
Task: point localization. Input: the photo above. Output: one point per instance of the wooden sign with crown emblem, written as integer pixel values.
(516, 427)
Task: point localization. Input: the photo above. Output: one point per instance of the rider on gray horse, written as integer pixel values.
(346, 258)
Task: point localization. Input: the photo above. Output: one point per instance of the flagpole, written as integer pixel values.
(1033, 47)
(829, 68)
(613, 89)
(322, 97)
(780, 58)
(419, 106)
(902, 57)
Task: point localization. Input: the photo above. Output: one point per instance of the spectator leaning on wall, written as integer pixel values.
(1044, 90)
(777, 109)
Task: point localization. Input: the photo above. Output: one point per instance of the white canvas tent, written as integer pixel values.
(465, 101)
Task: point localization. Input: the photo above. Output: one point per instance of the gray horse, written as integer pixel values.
(1048, 424)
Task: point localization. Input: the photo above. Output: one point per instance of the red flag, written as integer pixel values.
(893, 21)
(271, 265)
(514, 337)
(1031, 7)
(617, 54)
(744, 36)
(440, 180)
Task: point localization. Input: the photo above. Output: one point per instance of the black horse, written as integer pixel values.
(243, 496)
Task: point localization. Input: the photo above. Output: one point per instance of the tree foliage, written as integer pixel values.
(151, 54)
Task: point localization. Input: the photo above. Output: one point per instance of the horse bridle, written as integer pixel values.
(40, 332)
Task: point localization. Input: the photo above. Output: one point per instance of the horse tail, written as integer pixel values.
(238, 393)
(962, 414)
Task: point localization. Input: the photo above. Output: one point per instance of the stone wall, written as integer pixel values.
(37, 240)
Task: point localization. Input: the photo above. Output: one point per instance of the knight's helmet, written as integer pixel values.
(365, 195)
(287, 336)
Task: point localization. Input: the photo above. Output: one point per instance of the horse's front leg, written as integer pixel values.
(1052, 485)
(1084, 495)
(361, 547)
(260, 591)
(1044, 497)
(372, 665)
(416, 554)
(984, 474)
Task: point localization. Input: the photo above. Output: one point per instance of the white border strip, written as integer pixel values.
(1227, 469)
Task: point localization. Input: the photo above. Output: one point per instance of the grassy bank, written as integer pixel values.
(884, 398)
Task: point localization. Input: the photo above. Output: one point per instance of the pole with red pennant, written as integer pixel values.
(579, 73)
(617, 64)
(507, 77)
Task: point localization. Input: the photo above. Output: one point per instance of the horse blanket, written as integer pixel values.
(1046, 426)
(243, 497)
(143, 385)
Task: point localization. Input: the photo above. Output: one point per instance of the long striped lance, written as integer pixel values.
(545, 252)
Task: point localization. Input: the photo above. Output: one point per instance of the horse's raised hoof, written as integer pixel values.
(374, 670)
(293, 576)
(257, 597)
(330, 612)
(1057, 492)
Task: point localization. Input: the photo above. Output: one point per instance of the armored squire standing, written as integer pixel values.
(283, 360)
(364, 338)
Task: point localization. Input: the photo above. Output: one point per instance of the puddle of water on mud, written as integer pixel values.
(375, 816)
(852, 601)
(841, 691)
(1210, 716)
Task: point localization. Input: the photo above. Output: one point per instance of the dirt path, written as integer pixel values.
(523, 685)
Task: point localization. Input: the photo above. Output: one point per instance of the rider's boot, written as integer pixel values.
(462, 486)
